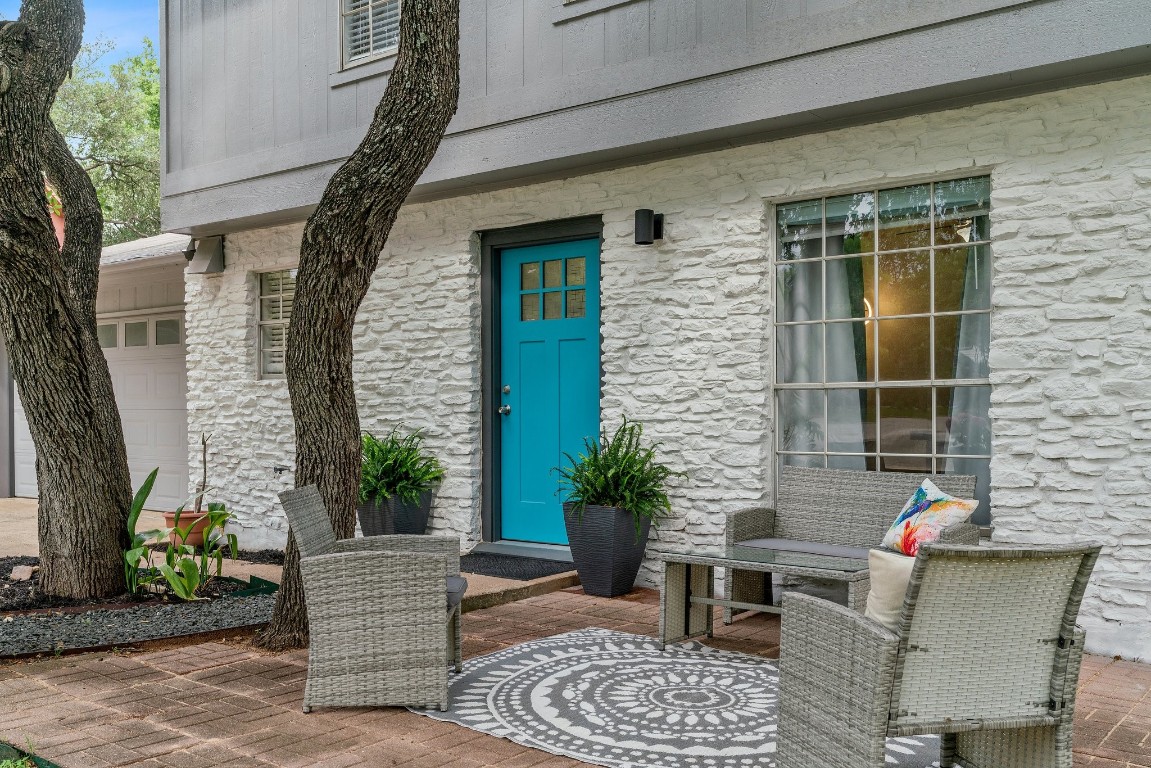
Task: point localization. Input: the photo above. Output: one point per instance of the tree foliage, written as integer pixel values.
(111, 121)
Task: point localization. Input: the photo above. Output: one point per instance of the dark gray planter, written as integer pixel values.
(380, 517)
(604, 547)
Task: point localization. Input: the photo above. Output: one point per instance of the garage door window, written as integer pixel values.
(277, 292)
(883, 308)
(136, 334)
(107, 334)
(167, 332)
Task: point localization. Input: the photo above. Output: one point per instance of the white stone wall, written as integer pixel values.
(687, 333)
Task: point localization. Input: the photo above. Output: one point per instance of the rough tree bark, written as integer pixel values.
(48, 313)
(340, 251)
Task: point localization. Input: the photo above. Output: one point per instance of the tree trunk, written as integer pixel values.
(340, 251)
(47, 313)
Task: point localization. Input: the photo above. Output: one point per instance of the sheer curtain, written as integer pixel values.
(969, 425)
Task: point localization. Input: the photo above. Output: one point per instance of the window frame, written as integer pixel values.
(261, 323)
(342, 15)
(874, 383)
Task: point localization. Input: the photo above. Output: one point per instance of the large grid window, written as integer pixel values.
(370, 28)
(883, 324)
(277, 292)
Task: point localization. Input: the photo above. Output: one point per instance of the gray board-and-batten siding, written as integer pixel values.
(258, 112)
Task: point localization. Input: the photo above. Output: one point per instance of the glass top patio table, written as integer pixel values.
(758, 556)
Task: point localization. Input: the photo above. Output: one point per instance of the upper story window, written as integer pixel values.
(883, 331)
(370, 28)
(277, 291)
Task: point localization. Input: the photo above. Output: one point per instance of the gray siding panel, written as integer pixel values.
(313, 57)
(286, 42)
(628, 33)
(238, 63)
(264, 71)
(254, 87)
(505, 45)
(543, 43)
(584, 45)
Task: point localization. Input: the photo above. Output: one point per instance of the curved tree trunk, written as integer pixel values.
(47, 313)
(340, 251)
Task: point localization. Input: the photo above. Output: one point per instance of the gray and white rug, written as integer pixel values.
(615, 699)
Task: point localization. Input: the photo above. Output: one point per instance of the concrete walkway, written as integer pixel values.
(226, 704)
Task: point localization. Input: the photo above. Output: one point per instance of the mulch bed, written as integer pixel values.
(26, 595)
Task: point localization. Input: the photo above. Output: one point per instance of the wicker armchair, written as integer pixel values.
(383, 612)
(837, 507)
(987, 655)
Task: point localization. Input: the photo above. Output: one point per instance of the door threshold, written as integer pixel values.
(556, 552)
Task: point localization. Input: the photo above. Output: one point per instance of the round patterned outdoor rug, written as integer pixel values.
(616, 699)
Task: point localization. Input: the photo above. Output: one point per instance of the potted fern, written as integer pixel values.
(396, 483)
(615, 493)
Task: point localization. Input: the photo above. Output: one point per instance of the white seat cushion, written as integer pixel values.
(890, 573)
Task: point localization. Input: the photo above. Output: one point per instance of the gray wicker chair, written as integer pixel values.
(382, 625)
(838, 507)
(987, 654)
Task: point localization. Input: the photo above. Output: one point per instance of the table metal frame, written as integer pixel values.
(687, 596)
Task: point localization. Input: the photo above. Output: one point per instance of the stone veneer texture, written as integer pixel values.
(687, 335)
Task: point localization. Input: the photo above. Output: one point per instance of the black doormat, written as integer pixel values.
(512, 566)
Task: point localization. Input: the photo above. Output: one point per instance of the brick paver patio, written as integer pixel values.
(224, 704)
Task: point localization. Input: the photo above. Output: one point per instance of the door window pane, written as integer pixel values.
(553, 273)
(136, 334)
(167, 332)
(576, 303)
(576, 271)
(553, 305)
(851, 420)
(106, 334)
(529, 276)
(530, 307)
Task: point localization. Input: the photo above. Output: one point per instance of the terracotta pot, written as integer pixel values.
(196, 535)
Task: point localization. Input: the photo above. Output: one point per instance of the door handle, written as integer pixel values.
(505, 410)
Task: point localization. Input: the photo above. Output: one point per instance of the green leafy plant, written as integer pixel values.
(397, 466)
(619, 472)
(139, 550)
(186, 569)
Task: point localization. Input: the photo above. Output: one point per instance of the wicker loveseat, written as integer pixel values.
(986, 654)
(835, 512)
(383, 612)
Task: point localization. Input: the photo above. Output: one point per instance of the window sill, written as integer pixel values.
(570, 10)
(363, 69)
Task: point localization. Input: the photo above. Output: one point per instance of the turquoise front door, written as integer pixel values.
(549, 379)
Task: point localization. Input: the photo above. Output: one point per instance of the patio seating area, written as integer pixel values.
(225, 704)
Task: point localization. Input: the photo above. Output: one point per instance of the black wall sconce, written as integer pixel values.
(648, 226)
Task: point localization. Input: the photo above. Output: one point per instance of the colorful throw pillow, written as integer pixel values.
(890, 573)
(924, 516)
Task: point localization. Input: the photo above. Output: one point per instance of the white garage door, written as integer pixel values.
(147, 362)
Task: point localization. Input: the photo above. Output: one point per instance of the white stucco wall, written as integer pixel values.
(687, 333)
